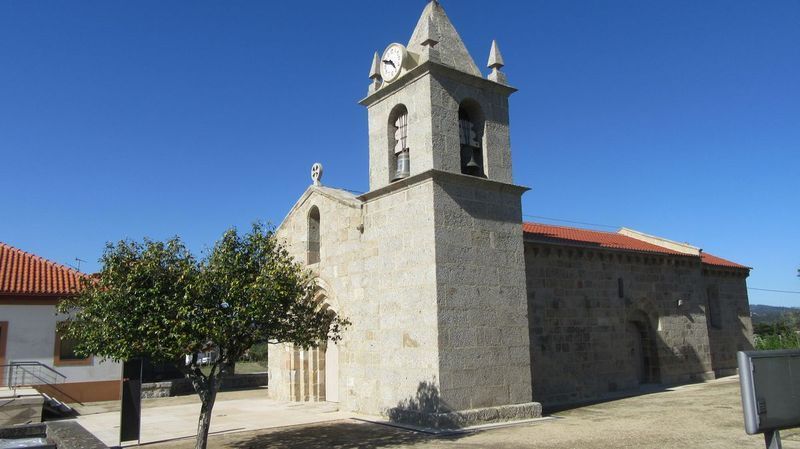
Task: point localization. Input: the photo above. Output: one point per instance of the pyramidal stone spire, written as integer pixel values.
(496, 63)
(451, 49)
(495, 57)
(375, 73)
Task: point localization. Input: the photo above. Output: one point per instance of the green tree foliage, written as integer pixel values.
(779, 335)
(155, 299)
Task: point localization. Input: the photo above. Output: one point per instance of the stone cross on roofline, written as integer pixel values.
(316, 174)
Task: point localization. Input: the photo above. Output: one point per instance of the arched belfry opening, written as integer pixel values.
(470, 132)
(399, 152)
(313, 239)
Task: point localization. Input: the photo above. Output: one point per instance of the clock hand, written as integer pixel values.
(389, 61)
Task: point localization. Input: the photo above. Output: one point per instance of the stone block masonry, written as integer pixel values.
(482, 314)
(603, 321)
(416, 286)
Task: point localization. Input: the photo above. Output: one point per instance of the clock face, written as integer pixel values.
(392, 62)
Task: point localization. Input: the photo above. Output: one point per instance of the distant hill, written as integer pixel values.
(770, 314)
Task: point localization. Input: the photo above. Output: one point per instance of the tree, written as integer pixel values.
(155, 299)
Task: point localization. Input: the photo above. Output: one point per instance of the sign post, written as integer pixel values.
(131, 410)
(770, 387)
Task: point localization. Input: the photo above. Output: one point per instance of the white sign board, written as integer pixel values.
(770, 383)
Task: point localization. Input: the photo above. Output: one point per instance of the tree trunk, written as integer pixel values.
(207, 398)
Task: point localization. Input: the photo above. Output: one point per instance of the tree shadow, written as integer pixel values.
(426, 409)
(336, 435)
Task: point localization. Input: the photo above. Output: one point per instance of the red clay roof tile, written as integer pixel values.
(602, 239)
(611, 240)
(710, 259)
(23, 273)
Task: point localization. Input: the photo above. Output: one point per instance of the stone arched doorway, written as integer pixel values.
(316, 370)
(643, 349)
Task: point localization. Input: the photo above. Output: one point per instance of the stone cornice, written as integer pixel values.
(430, 67)
(578, 250)
(442, 176)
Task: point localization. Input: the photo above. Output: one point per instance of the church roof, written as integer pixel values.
(710, 259)
(23, 273)
(609, 240)
(451, 48)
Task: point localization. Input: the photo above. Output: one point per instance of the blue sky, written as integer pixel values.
(150, 118)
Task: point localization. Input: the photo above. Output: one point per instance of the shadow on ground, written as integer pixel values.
(336, 435)
(643, 390)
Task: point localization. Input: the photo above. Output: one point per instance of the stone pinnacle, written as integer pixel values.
(375, 71)
(495, 57)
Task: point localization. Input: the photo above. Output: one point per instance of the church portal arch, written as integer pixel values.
(317, 369)
(642, 346)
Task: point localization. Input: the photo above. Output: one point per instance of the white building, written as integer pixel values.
(30, 351)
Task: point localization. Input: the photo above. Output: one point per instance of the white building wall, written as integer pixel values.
(31, 338)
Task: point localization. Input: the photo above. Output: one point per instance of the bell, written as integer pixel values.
(403, 166)
(472, 167)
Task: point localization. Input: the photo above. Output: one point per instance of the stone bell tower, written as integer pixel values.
(432, 94)
(443, 207)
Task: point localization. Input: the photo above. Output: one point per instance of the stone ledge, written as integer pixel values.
(178, 387)
(467, 418)
(442, 176)
(71, 435)
(24, 410)
(23, 431)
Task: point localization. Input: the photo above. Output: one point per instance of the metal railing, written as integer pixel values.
(26, 374)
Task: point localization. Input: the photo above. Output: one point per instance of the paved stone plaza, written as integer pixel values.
(704, 415)
(166, 419)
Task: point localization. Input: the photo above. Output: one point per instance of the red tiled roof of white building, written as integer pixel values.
(23, 273)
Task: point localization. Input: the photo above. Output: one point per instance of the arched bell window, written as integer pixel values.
(470, 133)
(313, 236)
(399, 156)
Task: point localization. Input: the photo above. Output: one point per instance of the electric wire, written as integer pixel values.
(774, 291)
(571, 221)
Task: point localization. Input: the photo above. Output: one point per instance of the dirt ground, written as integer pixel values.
(695, 416)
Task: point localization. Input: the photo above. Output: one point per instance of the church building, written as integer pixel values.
(461, 312)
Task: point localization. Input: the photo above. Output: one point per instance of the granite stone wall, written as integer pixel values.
(416, 97)
(449, 89)
(432, 100)
(430, 271)
(483, 328)
(604, 321)
(376, 268)
(293, 373)
(734, 330)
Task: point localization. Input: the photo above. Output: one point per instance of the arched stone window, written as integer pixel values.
(470, 133)
(399, 154)
(313, 235)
